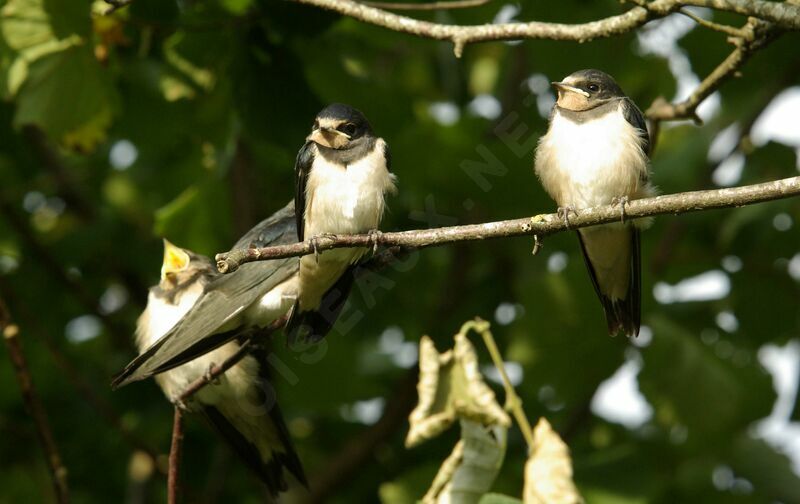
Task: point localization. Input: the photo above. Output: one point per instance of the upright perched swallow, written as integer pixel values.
(241, 406)
(342, 175)
(228, 305)
(595, 153)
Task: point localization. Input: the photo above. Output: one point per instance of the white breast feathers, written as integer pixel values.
(585, 164)
(347, 199)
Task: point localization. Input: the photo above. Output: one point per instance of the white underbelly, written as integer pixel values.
(589, 164)
(347, 200)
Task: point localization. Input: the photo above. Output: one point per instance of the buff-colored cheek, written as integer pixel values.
(572, 101)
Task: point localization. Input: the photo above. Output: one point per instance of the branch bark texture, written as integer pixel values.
(175, 452)
(539, 226)
(783, 14)
(754, 35)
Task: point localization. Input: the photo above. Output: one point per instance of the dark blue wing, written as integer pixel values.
(634, 116)
(277, 229)
(302, 168)
(388, 155)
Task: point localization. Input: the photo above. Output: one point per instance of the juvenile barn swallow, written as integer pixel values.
(241, 406)
(252, 297)
(342, 175)
(595, 153)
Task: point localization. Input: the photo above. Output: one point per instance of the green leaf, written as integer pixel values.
(36, 28)
(451, 387)
(25, 24)
(68, 95)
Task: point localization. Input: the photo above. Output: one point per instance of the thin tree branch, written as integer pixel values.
(444, 5)
(784, 15)
(58, 472)
(175, 450)
(539, 226)
(729, 30)
(756, 35)
(462, 35)
(82, 385)
(673, 233)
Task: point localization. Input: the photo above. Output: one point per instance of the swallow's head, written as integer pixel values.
(586, 89)
(181, 266)
(340, 127)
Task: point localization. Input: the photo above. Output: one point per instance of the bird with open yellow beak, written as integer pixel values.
(241, 406)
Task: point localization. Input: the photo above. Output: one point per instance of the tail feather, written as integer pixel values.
(270, 471)
(311, 326)
(146, 365)
(621, 314)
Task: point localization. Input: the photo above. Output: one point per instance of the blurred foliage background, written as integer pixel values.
(182, 119)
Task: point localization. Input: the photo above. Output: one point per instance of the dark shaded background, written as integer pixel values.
(182, 119)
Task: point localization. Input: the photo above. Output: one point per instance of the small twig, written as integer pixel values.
(513, 402)
(730, 30)
(58, 471)
(755, 35)
(444, 5)
(175, 450)
(84, 386)
(542, 225)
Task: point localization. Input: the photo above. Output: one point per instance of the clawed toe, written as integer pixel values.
(563, 213)
(314, 242)
(621, 201)
(375, 237)
(209, 377)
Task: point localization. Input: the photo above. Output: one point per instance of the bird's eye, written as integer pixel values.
(348, 129)
(593, 88)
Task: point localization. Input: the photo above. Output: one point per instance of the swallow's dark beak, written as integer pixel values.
(328, 137)
(563, 87)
